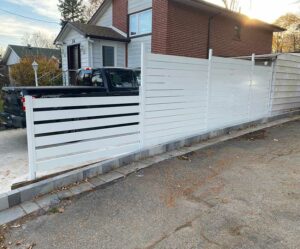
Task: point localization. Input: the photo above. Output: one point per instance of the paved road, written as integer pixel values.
(240, 194)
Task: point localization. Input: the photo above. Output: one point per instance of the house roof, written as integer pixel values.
(24, 51)
(93, 31)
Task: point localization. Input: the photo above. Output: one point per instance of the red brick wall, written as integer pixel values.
(120, 11)
(159, 26)
(183, 30)
(187, 31)
(253, 40)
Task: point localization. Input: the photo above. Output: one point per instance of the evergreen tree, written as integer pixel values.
(71, 10)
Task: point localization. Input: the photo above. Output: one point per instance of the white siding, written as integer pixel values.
(106, 18)
(286, 85)
(134, 50)
(13, 59)
(119, 53)
(138, 5)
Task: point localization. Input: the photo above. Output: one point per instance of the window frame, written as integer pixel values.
(138, 13)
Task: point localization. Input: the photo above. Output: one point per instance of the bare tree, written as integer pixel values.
(38, 39)
(233, 5)
(288, 41)
(91, 8)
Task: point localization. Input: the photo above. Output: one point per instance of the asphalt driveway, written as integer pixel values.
(244, 193)
(13, 157)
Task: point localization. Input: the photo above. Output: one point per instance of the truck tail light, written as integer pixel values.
(23, 104)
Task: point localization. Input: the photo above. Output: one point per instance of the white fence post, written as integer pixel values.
(142, 94)
(272, 86)
(210, 56)
(250, 86)
(30, 137)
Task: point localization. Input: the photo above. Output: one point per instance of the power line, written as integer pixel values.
(27, 17)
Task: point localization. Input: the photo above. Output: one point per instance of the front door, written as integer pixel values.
(108, 53)
(74, 62)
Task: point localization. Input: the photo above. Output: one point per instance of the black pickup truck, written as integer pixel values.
(89, 82)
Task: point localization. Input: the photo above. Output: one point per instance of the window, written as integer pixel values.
(122, 78)
(237, 32)
(108, 54)
(141, 23)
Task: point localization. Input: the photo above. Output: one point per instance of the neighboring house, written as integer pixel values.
(113, 36)
(15, 53)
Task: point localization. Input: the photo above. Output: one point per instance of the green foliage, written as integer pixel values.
(48, 72)
(71, 11)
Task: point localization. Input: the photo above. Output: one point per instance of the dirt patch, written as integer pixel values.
(257, 135)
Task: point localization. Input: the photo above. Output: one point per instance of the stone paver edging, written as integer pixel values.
(21, 202)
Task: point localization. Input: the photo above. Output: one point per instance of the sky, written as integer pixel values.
(13, 26)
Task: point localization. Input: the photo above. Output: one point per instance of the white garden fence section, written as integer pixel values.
(179, 97)
(70, 132)
(186, 96)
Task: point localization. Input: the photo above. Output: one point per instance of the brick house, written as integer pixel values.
(113, 36)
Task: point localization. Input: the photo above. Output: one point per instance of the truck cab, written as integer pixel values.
(89, 82)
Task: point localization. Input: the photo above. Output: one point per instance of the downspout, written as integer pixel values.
(208, 35)
(210, 18)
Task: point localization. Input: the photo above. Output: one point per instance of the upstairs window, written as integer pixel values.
(237, 32)
(140, 23)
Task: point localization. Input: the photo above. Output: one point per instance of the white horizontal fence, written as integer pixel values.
(179, 97)
(187, 96)
(71, 132)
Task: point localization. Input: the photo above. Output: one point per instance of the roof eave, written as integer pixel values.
(108, 38)
(218, 10)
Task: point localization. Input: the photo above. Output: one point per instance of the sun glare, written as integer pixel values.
(265, 10)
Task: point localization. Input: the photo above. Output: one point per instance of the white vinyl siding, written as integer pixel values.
(13, 59)
(106, 19)
(286, 84)
(134, 50)
(119, 53)
(138, 5)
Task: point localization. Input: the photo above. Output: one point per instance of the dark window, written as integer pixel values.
(237, 32)
(108, 56)
(121, 78)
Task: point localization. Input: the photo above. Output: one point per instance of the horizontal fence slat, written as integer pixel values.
(171, 119)
(172, 106)
(84, 124)
(173, 125)
(83, 101)
(83, 113)
(85, 158)
(85, 135)
(86, 146)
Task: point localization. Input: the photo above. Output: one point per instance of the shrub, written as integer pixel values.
(23, 74)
